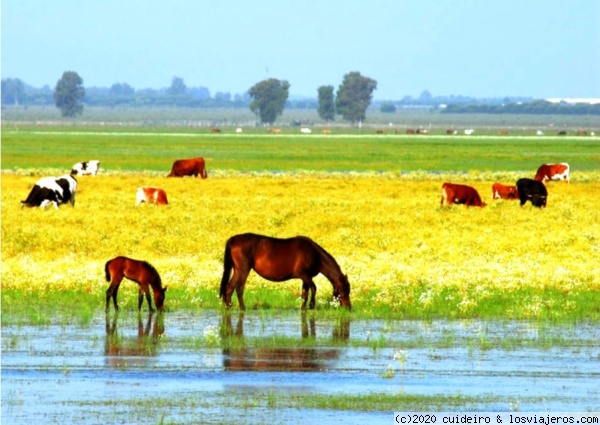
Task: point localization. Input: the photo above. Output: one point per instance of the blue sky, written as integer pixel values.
(481, 48)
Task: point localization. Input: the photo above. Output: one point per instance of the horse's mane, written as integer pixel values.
(323, 252)
(151, 267)
(331, 263)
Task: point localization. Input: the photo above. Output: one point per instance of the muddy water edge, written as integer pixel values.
(286, 367)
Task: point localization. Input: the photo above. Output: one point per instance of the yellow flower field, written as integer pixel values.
(402, 251)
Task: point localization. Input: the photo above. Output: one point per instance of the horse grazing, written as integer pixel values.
(140, 272)
(279, 260)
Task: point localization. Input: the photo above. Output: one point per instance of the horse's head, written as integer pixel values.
(341, 291)
(159, 297)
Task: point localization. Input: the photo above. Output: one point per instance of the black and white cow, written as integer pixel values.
(86, 168)
(532, 190)
(52, 190)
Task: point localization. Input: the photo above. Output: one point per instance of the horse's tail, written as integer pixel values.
(107, 271)
(227, 266)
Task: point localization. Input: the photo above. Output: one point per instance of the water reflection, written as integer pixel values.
(240, 355)
(127, 351)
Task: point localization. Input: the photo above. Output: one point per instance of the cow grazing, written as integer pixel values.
(305, 130)
(539, 133)
(532, 190)
(89, 168)
(547, 172)
(52, 190)
(460, 194)
(189, 167)
(501, 191)
(469, 131)
(452, 132)
(151, 195)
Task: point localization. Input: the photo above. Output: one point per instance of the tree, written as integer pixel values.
(426, 98)
(121, 89)
(178, 87)
(268, 99)
(326, 108)
(354, 96)
(13, 91)
(388, 107)
(69, 93)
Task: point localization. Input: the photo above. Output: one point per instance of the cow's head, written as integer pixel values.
(539, 200)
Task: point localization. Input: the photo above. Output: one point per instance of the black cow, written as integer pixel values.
(52, 190)
(532, 190)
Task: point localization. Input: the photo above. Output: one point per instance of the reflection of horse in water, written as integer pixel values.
(239, 356)
(127, 351)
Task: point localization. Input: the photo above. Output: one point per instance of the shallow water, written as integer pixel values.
(177, 367)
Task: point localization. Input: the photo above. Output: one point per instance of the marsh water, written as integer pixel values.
(211, 367)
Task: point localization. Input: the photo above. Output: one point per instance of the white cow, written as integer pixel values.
(52, 190)
(469, 131)
(305, 130)
(86, 168)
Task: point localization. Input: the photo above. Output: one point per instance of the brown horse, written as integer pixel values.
(279, 260)
(140, 272)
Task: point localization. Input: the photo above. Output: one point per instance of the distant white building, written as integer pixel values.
(574, 100)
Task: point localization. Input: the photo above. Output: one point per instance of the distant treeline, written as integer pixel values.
(538, 107)
(16, 92)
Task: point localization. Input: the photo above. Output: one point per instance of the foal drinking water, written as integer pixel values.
(141, 272)
(279, 260)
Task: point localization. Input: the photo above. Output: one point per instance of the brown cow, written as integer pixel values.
(151, 195)
(501, 191)
(460, 194)
(410, 131)
(189, 167)
(553, 172)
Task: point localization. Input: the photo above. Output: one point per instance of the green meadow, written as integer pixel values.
(371, 200)
(154, 151)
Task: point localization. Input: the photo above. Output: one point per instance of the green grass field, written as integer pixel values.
(372, 201)
(155, 151)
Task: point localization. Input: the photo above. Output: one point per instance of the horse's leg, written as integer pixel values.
(144, 290)
(305, 288)
(112, 290)
(239, 289)
(237, 283)
(313, 289)
(308, 286)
